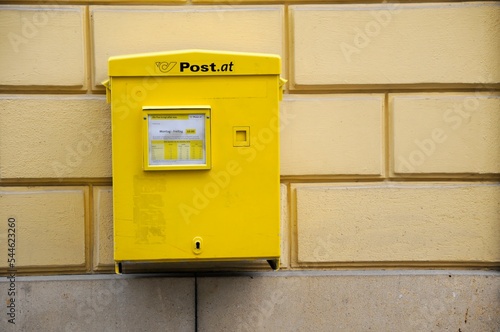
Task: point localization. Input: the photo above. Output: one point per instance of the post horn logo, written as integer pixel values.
(165, 67)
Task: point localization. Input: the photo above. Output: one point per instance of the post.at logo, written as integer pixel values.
(165, 67)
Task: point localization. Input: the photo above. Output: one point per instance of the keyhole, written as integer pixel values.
(197, 242)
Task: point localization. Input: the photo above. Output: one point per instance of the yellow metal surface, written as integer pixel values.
(222, 208)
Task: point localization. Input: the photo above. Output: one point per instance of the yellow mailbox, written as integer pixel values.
(195, 138)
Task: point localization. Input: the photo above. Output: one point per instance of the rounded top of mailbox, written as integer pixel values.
(194, 63)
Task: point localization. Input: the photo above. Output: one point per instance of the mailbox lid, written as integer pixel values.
(194, 63)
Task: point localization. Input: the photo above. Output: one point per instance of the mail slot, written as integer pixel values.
(195, 144)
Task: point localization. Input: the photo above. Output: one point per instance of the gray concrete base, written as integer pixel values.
(361, 302)
(274, 301)
(95, 303)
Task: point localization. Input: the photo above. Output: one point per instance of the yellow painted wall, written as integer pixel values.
(390, 130)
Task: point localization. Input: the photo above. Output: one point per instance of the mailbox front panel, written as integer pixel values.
(211, 193)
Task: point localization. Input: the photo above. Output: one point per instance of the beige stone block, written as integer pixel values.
(42, 46)
(103, 227)
(48, 136)
(129, 30)
(443, 133)
(285, 228)
(394, 43)
(332, 134)
(49, 226)
(398, 222)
